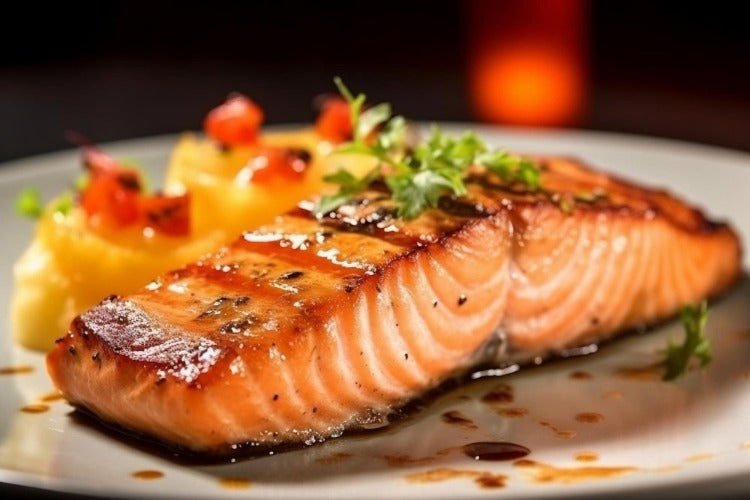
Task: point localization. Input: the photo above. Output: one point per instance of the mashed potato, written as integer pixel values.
(68, 268)
(222, 189)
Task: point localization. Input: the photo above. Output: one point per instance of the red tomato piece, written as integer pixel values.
(236, 122)
(167, 214)
(110, 201)
(279, 163)
(113, 199)
(335, 121)
(99, 163)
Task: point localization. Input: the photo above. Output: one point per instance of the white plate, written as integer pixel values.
(688, 437)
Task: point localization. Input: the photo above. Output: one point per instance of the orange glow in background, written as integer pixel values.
(527, 61)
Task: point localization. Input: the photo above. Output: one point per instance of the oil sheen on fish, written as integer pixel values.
(308, 327)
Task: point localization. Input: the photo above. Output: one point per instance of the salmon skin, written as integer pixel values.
(313, 326)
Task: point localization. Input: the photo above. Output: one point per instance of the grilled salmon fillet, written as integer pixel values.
(308, 327)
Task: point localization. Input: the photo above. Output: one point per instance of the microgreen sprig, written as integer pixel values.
(29, 203)
(695, 344)
(416, 178)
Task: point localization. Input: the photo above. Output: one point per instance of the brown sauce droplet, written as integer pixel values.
(581, 375)
(561, 433)
(544, 473)
(501, 393)
(51, 396)
(650, 372)
(490, 481)
(495, 451)
(435, 475)
(234, 483)
(512, 412)
(590, 417)
(334, 458)
(482, 478)
(148, 474)
(405, 460)
(35, 408)
(586, 456)
(614, 394)
(699, 457)
(457, 418)
(16, 370)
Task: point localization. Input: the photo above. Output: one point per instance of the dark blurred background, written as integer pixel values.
(117, 70)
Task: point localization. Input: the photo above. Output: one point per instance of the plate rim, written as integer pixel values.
(19, 168)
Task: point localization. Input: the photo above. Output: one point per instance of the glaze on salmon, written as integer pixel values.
(305, 328)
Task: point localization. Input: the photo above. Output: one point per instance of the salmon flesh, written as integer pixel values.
(313, 326)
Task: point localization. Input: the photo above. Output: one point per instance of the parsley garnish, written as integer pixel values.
(64, 203)
(695, 344)
(29, 203)
(417, 178)
(350, 186)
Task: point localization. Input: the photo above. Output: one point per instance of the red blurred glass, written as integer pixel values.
(527, 60)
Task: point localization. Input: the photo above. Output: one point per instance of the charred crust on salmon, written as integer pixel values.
(238, 325)
(290, 275)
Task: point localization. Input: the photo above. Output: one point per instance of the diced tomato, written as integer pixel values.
(335, 122)
(236, 122)
(167, 214)
(112, 199)
(109, 201)
(279, 163)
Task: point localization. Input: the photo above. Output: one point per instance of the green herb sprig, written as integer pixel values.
(419, 177)
(29, 203)
(696, 342)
